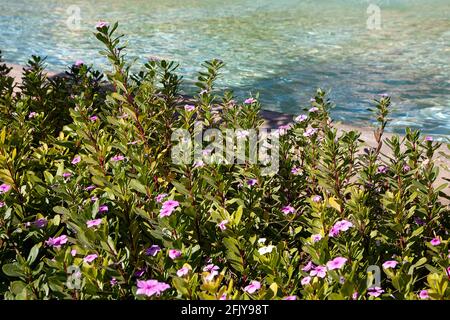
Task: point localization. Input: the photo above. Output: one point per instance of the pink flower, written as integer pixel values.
(103, 208)
(428, 138)
(316, 237)
(183, 271)
(2, 204)
(309, 266)
(4, 188)
(305, 281)
(66, 174)
(390, 264)
(78, 63)
(436, 241)
(101, 24)
(314, 109)
(355, 295)
(153, 250)
(211, 267)
(73, 252)
(93, 223)
(160, 197)
(222, 225)
(423, 294)
(290, 298)
(300, 118)
(288, 209)
(113, 282)
(189, 107)
(89, 258)
(151, 287)
(90, 188)
(56, 242)
(168, 207)
(76, 160)
(316, 198)
(319, 271)
(118, 157)
(93, 118)
(250, 101)
(174, 254)
(253, 287)
(223, 296)
(382, 169)
(375, 291)
(309, 132)
(339, 226)
(406, 168)
(336, 263)
(32, 115)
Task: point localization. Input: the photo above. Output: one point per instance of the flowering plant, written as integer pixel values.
(92, 205)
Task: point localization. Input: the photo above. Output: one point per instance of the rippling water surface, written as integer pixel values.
(284, 49)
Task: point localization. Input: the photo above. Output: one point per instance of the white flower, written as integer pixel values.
(264, 250)
(262, 240)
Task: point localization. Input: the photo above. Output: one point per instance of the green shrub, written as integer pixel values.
(94, 207)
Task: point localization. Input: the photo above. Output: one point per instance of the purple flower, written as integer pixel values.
(406, 168)
(251, 182)
(56, 242)
(282, 130)
(183, 271)
(288, 209)
(375, 291)
(189, 107)
(76, 160)
(140, 272)
(316, 237)
(290, 298)
(93, 223)
(151, 287)
(339, 226)
(93, 118)
(382, 169)
(103, 208)
(160, 197)
(316, 198)
(309, 266)
(66, 174)
(101, 24)
(113, 282)
(355, 295)
(305, 281)
(168, 207)
(423, 294)
(174, 254)
(436, 241)
(390, 264)
(118, 157)
(250, 101)
(419, 221)
(153, 250)
(40, 223)
(336, 263)
(32, 115)
(78, 63)
(309, 132)
(222, 225)
(295, 171)
(253, 287)
(429, 138)
(300, 118)
(94, 198)
(319, 271)
(4, 188)
(89, 258)
(90, 188)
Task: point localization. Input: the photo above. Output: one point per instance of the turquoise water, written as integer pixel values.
(284, 49)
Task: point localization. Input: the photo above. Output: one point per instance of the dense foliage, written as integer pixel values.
(93, 206)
